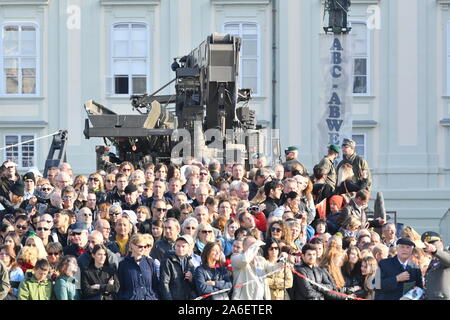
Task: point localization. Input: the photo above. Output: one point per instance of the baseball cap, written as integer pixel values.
(130, 188)
(186, 238)
(78, 227)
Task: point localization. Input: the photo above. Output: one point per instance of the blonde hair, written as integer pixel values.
(201, 227)
(28, 255)
(345, 172)
(137, 237)
(351, 222)
(327, 261)
(42, 253)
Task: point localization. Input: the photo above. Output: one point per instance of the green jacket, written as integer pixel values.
(4, 281)
(327, 164)
(359, 164)
(66, 288)
(31, 289)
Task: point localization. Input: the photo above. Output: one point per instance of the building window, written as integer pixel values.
(24, 154)
(130, 62)
(361, 66)
(360, 141)
(249, 74)
(19, 59)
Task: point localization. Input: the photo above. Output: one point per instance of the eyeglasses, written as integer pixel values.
(161, 209)
(147, 246)
(111, 181)
(274, 248)
(191, 228)
(76, 233)
(94, 179)
(67, 198)
(22, 227)
(53, 253)
(206, 231)
(276, 229)
(124, 169)
(46, 189)
(42, 228)
(115, 213)
(203, 174)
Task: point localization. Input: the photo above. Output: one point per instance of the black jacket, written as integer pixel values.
(305, 290)
(173, 284)
(271, 205)
(91, 276)
(161, 248)
(349, 186)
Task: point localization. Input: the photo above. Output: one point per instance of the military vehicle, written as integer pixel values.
(211, 117)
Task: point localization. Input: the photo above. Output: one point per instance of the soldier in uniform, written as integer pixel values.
(359, 164)
(437, 277)
(291, 154)
(328, 164)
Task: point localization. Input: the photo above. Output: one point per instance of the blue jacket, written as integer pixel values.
(227, 245)
(138, 282)
(218, 275)
(389, 288)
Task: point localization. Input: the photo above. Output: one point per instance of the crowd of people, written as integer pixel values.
(209, 231)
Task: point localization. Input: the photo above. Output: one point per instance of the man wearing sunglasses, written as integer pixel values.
(43, 231)
(21, 227)
(159, 210)
(85, 215)
(78, 235)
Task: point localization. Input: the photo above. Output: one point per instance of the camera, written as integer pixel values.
(253, 209)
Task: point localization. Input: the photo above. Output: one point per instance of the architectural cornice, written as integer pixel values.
(23, 2)
(364, 124)
(129, 2)
(240, 2)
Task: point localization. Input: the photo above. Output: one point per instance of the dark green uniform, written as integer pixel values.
(359, 164)
(327, 163)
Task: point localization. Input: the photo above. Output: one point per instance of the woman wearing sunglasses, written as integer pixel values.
(99, 281)
(279, 281)
(278, 230)
(138, 274)
(202, 236)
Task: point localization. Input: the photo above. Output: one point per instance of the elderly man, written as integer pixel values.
(78, 234)
(397, 275)
(123, 229)
(248, 266)
(242, 191)
(389, 234)
(132, 199)
(191, 187)
(167, 243)
(85, 215)
(201, 193)
(358, 163)
(437, 277)
(63, 180)
(104, 228)
(85, 259)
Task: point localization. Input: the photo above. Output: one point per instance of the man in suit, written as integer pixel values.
(397, 275)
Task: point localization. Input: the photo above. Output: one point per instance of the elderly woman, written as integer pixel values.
(189, 226)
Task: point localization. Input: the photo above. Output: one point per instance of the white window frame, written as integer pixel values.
(448, 58)
(369, 60)
(111, 86)
(364, 135)
(20, 159)
(38, 61)
(258, 53)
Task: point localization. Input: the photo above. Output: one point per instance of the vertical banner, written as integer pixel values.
(336, 93)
